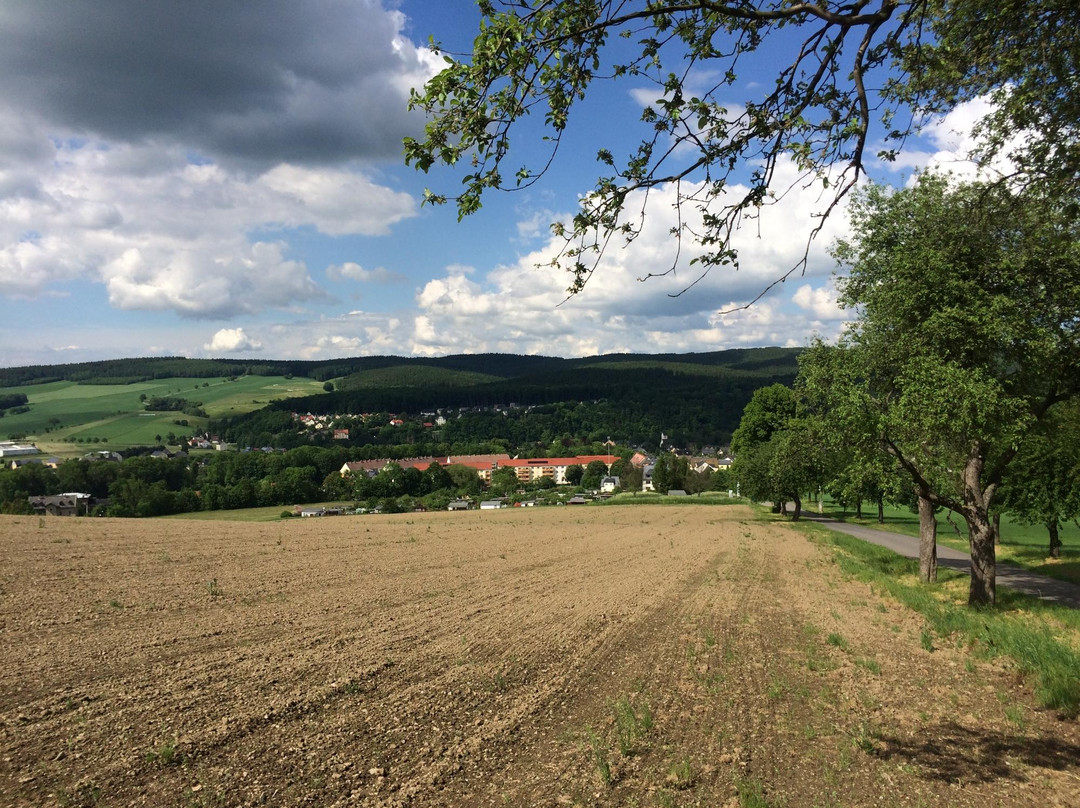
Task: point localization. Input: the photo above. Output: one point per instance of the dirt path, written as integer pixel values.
(599, 656)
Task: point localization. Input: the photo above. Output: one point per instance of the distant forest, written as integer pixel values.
(694, 399)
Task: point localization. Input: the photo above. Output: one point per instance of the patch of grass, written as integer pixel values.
(165, 754)
(1041, 638)
(865, 737)
(631, 725)
(86, 795)
(498, 683)
(869, 664)
(599, 754)
(837, 641)
(926, 640)
(751, 794)
(777, 688)
(681, 775)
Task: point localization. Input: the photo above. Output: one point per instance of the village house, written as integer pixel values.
(609, 484)
(71, 504)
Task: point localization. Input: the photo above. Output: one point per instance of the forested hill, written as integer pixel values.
(632, 398)
(128, 371)
(488, 366)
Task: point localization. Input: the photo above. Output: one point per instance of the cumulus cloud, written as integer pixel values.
(163, 233)
(165, 150)
(520, 308)
(819, 301)
(232, 340)
(320, 81)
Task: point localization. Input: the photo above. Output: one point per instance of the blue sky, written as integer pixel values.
(200, 179)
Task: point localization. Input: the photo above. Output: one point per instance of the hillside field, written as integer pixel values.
(619, 656)
(114, 413)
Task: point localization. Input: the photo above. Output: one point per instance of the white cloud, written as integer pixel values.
(334, 201)
(231, 340)
(355, 272)
(819, 301)
(953, 140)
(151, 150)
(175, 237)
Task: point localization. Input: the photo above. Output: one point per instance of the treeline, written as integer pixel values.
(630, 405)
(174, 404)
(506, 366)
(143, 486)
(16, 402)
(131, 370)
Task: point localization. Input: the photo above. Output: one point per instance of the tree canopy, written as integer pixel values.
(967, 335)
(855, 82)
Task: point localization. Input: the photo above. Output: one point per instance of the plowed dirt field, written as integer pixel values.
(649, 656)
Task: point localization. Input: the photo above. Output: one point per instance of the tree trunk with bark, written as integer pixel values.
(881, 511)
(798, 508)
(927, 541)
(1055, 538)
(981, 533)
(983, 589)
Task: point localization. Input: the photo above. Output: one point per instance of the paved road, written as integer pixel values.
(1018, 578)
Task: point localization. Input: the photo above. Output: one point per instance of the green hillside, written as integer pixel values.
(60, 411)
(695, 398)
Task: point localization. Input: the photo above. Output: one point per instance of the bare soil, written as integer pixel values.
(650, 656)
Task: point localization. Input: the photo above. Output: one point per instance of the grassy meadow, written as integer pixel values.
(115, 416)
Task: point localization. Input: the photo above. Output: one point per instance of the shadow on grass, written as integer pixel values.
(1064, 570)
(951, 753)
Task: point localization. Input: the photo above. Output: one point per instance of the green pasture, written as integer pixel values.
(114, 415)
(1024, 545)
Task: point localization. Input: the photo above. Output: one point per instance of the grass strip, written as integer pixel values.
(1039, 637)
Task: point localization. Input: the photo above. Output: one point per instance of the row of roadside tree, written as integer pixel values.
(954, 386)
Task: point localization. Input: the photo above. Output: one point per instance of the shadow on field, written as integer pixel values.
(956, 754)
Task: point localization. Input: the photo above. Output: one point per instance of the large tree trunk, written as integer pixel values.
(983, 589)
(1055, 538)
(798, 509)
(881, 511)
(927, 542)
(858, 509)
(981, 533)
